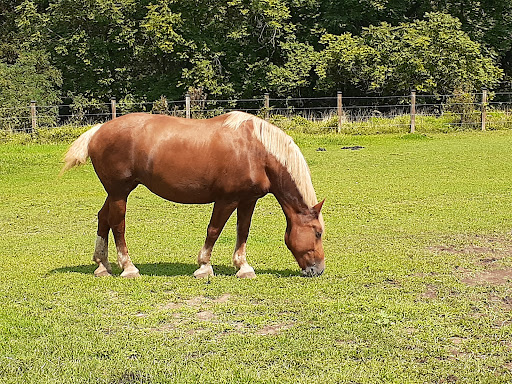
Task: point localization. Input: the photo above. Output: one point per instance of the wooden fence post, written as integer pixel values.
(187, 106)
(33, 115)
(484, 107)
(413, 111)
(340, 111)
(266, 105)
(113, 107)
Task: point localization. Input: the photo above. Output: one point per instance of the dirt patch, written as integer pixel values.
(171, 306)
(507, 344)
(457, 340)
(165, 327)
(273, 329)
(507, 302)
(201, 300)
(449, 379)
(494, 247)
(206, 315)
(493, 277)
(488, 260)
(195, 331)
(203, 308)
(200, 303)
(430, 292)
(196, 301)
(468, 249)
(489, 252)
(222, 299)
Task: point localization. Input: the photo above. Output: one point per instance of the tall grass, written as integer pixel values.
(365, 124)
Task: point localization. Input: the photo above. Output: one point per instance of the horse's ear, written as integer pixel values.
(317, 208)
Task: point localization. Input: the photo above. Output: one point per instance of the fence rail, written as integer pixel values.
(470, 110)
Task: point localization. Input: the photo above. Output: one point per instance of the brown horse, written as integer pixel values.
(231, 160)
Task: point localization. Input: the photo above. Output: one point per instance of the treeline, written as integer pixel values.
(54, 51)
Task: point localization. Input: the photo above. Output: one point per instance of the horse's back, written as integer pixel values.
(136, 137)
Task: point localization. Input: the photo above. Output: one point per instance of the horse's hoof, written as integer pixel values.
(130, 273)
(246, 272)
(102, 272)
(246, 275)
(204, 270)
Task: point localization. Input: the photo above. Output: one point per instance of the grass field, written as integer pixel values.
(417, 289)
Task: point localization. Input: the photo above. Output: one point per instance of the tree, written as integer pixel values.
(242, 48)
(294, 75)
(432, 55)
(94, 44)
(26, 71)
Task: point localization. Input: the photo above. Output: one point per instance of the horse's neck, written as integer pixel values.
(287, 194)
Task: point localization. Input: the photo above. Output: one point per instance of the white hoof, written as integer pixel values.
(130, 273)
(204, 270)
(101, 271)
(246, 272)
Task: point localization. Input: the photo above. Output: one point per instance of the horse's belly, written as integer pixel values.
(190, 194)
(203, 190)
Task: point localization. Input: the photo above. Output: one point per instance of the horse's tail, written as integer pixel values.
(78, 153)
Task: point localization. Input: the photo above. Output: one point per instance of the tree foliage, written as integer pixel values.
(432, 55)
(96, 49)
(26, 70)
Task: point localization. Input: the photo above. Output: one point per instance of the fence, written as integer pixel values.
(406, 113)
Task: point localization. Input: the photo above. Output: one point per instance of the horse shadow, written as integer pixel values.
(173, 269)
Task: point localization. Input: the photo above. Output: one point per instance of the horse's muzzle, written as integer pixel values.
(313, 271)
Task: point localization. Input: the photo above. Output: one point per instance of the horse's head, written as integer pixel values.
(304, 239)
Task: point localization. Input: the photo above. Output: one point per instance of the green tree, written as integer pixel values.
(293, 77)
(432, 55)
(243, 48)
(93, 43)
(227, 48)
(26, 71)
(488, 22)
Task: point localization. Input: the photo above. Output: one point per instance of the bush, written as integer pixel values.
(58, 135)
(67, 133)
(301, 124)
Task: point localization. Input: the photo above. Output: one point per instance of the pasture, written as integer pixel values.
(417, 288)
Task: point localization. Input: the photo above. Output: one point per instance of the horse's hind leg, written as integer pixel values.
(101, 249)
(244, 215)
(221, 213)
(116, 220)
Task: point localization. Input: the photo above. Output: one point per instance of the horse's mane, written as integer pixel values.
(282, 147)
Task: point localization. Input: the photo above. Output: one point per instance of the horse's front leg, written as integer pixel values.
(244, 215)
(221, 213)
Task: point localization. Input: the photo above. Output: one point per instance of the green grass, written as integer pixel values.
(410, 220)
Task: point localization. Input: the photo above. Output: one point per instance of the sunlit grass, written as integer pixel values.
(391, 307)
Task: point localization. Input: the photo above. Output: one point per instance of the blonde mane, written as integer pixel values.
(283, 148)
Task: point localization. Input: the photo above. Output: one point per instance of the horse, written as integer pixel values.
(230, 160)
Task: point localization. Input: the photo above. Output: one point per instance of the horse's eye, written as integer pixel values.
(318, 235)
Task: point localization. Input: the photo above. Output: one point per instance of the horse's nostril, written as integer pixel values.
(312, 271)
(307, 272)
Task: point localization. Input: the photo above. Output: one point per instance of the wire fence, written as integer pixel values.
(483, 110)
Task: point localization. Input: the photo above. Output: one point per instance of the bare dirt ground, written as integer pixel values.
(491, 255)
